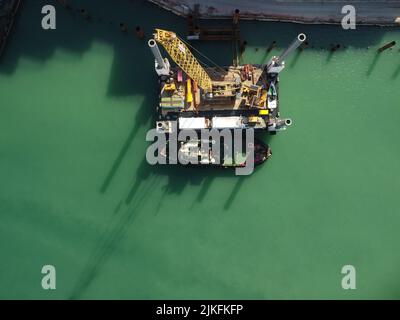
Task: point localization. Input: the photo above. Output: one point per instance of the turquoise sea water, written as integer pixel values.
(77, 193)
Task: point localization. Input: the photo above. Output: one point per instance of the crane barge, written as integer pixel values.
(235, 97)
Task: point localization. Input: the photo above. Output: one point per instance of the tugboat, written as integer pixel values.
(192, 153)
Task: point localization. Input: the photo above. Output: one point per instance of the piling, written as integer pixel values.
(304, 45)
(387, 46)
(123, 27)
(190, 23)
(64, 4)
(236, 16)
(335, 47)
(85, 14)
(139, 32)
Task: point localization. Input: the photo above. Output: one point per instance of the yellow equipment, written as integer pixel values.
(168, 87)
(182, 56)
(253, 119)
(263, 98)
(252, 89)
(189, 95)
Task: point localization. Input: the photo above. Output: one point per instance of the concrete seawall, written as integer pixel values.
(368, 12)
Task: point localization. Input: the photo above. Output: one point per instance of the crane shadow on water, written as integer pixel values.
(396, 72)
(111, 238)
(295, 58)
(373, 63)
(146, 179)
(142, 119)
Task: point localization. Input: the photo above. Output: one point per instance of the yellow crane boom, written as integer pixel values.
(182, 56)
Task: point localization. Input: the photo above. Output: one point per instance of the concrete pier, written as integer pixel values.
(368, 12)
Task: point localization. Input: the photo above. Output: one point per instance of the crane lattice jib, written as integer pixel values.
(182, 56)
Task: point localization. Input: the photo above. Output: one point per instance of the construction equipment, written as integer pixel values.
(182, 56)
(189, 95)
(234, 97)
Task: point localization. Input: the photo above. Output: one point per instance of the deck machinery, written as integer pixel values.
(235, 97)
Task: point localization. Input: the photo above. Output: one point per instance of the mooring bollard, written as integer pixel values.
(387, 46)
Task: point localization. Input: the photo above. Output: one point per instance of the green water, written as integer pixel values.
(77, 193)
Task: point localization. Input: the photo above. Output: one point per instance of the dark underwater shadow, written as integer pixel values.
(296, 58)
(145, 179)
(396, 72)
(373, 63)
(143, 118)
(112, 237)
(76, 34)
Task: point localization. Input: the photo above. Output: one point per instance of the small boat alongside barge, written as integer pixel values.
(193, 153)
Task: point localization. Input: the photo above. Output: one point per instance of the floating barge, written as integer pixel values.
(235, 97)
